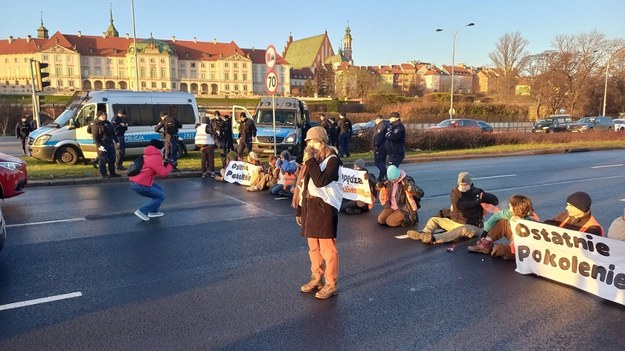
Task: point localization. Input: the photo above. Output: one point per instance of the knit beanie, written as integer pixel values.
(580, 200)
(157, 143)
(392, 172)
(464, 177)
(360, 163)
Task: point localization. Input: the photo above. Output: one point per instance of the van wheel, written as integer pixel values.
(66, 155)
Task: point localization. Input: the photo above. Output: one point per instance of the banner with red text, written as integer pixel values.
(589, 262)
(355, 185)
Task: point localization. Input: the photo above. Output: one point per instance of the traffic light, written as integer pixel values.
(40, 67)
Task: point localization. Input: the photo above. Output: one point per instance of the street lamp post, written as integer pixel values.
(453, 66)
(605, 86)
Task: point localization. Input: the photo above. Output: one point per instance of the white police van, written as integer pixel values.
(66, 140)
(292, 120)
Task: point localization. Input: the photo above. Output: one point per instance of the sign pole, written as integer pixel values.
(273, 104)
(271, 82)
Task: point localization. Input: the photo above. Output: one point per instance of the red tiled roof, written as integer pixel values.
(20, 46)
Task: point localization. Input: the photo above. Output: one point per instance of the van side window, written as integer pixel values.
(148, 114)
(85, 116)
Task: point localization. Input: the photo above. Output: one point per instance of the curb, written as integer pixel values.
(369, 162)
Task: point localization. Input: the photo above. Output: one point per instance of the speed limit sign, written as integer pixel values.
(271, 82)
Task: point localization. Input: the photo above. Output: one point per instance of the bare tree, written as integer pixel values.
(510, 58)
(358, 82)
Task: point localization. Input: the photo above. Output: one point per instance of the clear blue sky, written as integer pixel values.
(384, 32)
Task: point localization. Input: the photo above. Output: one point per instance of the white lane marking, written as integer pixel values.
(538, 185)
(40, 301)
(46, 222)
(401, 236)
(607, 166)
(497, 176)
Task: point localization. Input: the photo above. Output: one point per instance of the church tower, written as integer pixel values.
(347, 45)
(42, 32)
(111, 31)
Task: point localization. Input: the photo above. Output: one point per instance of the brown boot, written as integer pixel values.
(314, 284)
(327, 292)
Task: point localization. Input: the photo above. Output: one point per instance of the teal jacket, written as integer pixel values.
(503, 214)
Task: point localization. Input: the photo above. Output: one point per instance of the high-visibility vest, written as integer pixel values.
(591, 222)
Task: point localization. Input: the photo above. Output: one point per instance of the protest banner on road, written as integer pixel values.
(588, 262)
(241, 172)
(355, 185)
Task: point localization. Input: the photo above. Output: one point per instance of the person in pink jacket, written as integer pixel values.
(143, 183)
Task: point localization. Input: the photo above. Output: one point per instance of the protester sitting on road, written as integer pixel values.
(143, 183)
(288, 175)
(577, 216)
(232, 156)
(352, 207)
(498, 226)
(465, 218)
(400, 198)
(617, 228)
(252, 158)
(266, 178)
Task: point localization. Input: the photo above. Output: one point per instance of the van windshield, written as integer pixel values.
(283, 117)
(64, 117)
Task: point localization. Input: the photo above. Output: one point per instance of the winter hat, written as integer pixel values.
(394, 115)
(317, 133)
(580, 200)
(392, 172)
(360, 163)
(286, 155)
(232, 155)
(464, 177)
(157, 143)
(252, 155)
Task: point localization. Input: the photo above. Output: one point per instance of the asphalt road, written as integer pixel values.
(222, 270)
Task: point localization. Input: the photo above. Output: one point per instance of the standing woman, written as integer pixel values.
(319, 201)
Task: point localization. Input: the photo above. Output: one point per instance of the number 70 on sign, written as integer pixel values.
(271, 82)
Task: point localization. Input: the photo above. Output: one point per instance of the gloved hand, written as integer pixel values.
(101, 148)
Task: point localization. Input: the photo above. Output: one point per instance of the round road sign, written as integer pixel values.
(271, 82)
(270, 56)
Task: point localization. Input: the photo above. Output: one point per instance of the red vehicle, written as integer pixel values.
(13, 177)
(456, 123)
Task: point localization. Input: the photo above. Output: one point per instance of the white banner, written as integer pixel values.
(241, 172)
(589, 262)
(355, 185)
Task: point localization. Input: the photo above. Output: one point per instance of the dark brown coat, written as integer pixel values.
(319, 219)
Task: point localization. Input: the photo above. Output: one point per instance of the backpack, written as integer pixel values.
(135, 167)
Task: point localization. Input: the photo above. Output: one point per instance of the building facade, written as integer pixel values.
(87, 62)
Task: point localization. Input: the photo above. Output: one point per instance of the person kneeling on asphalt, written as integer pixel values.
(498, 226)
(143, 183)
(352, 207)
(466, 217)
(287, 177)
(232, 156)
(400, 198)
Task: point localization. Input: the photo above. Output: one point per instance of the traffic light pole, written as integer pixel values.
(34, 90)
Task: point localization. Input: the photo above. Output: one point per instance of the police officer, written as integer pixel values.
(168, 127)
(120, 124)
(247, 132)
(22, 130)
(104, 138)
(345, 135)
(378, 147)
(395, 140)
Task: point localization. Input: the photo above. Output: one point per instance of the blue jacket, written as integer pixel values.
(395, 138)
(287, 166)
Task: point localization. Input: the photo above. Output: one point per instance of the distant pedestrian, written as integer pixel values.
(143, 183)
(120, 124)
(378, 146)
(345, 135)
(333, 132)
(22, 130)
(105, 139)
(169, 127)
(395, 140)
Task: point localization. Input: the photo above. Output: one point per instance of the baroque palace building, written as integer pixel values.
(88, 62)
